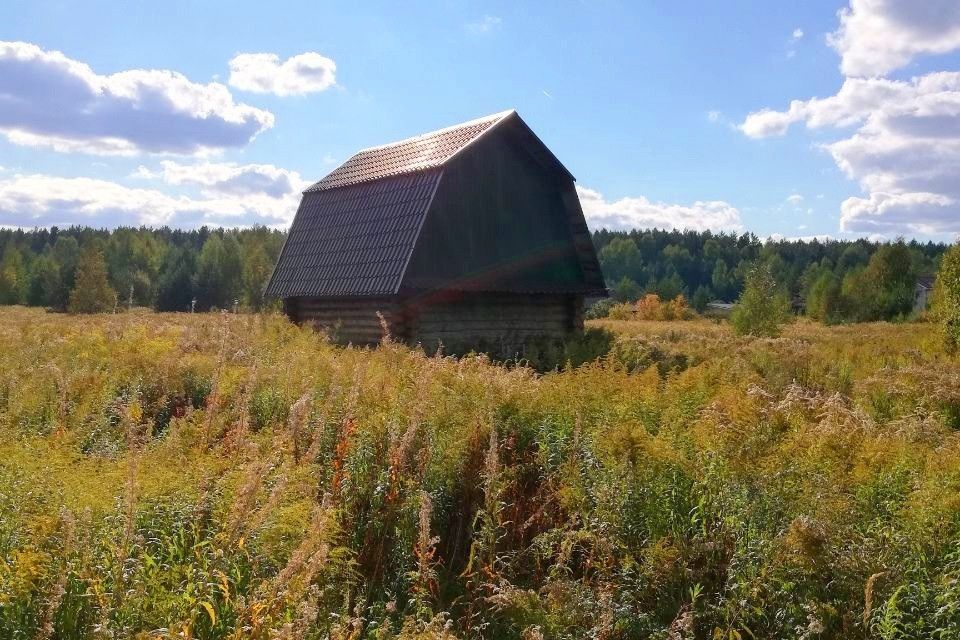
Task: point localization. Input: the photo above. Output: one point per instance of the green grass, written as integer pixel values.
(230, 476)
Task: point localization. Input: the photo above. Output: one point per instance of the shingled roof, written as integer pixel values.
(353, 240)
(419, 153)
(356, 228)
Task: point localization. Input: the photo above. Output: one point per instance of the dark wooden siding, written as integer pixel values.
(498, 222)
(352, 320)
(501, 320)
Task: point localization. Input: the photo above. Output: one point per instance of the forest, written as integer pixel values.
(179, 270)
(166, 269)
(831, 281)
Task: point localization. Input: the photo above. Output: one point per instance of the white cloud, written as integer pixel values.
(229, 179)
(900, 138)
(640, 213)
(797, 34)
(305, 73)
(486, 24)
(795, 199)
(714, 116)
(904, 150)
(892, 214)
(41, 200)
(879, 36)
(48, 99)
(929, 102)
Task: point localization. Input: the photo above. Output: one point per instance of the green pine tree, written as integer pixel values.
(92, 292)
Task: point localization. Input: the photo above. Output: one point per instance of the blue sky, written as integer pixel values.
(668, 113)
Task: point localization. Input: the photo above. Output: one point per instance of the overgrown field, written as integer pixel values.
(218, 476)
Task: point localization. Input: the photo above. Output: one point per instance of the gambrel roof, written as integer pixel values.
(356, 229)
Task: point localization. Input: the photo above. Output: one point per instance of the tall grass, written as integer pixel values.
(231, 476)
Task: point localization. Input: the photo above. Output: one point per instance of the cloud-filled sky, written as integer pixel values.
(836, 118)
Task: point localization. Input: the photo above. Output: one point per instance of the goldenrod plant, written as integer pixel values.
(235, 476)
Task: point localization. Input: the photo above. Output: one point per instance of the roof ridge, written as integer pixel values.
(493, 117)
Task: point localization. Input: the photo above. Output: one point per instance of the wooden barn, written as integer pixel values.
(470, 235)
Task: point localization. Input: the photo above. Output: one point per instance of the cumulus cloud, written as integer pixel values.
(43, 200)
(928, 104)
(797, 34)
(640, 213)
(891, 214)
(901, 138)
(298, 75)
(879, 36)
(905, 149)
(795, 199)
(48, 99)
(229, 179)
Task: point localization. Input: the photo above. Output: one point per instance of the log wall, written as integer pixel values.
(348, 320)
(502, 322)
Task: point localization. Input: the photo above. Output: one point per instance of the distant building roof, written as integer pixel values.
(926, 281)
(720, 305)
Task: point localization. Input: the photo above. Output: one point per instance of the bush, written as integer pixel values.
(599, 309)
(650, 307)
(622, 311)
(946, 297)
(763, 307)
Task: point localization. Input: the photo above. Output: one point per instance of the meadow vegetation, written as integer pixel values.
(234, 476)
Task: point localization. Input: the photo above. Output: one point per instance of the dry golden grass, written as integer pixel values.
(221, 476)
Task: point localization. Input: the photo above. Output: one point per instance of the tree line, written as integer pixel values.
(176, 270)
(84, 270)
(831, 281)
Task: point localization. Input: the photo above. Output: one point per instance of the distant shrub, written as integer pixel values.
(763, 307)
(599, 309)
(946, 297)
(622, 311)
(651, 307)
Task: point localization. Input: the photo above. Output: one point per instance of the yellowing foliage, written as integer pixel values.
(234, 476)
